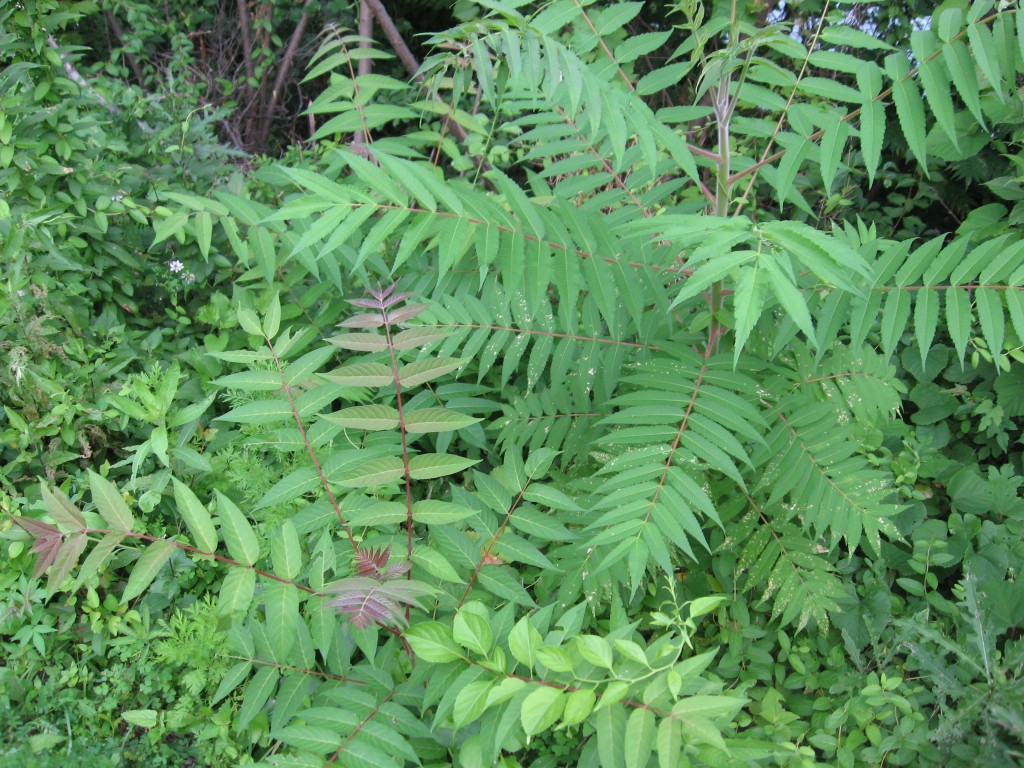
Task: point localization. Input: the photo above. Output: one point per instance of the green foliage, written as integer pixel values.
(554, 420)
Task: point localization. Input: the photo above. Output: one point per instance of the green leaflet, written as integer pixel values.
(239, 536)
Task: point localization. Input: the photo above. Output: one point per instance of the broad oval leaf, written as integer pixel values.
(541, 709)
(432, 641)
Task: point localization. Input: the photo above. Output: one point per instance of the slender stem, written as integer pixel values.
(246, 26)
(365, 63)
(723, 112)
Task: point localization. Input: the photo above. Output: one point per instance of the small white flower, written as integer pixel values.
(175, 266)
(189, 277)
(21, 293)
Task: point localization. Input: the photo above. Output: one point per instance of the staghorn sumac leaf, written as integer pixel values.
(257, 693)
(260, 412)
(196, 516)
(427, 466)
(412, 338)
(238, 534)
(309, 738)
(281, 606)
(250, 381)
(368, 417)
(362, 375)
(110, 503)
(286, 551)
(436, 420)
(236, 592)
(61, 509)
(70, 550)
(146, 568)
(99, 555)
(639, 739)
(434, 512)
(361, 342)
(380, 471)
(422, 371)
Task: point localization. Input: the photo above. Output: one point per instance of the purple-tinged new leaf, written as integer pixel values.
(397, 570)
(61, 509)
(363, 321)
(37, 528)
(397, 298)
(367, 303)
(67, 558)
(370, 562)
(367, 600)
(407, 312)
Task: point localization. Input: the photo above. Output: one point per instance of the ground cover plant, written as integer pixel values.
(636, 384)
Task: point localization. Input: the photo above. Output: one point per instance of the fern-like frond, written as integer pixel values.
(680, 418)
(777, 559)
(812, 466)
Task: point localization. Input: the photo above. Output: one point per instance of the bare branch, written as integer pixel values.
(282, 76)
(246, 26)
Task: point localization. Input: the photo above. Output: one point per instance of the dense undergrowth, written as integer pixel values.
(640, 388)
